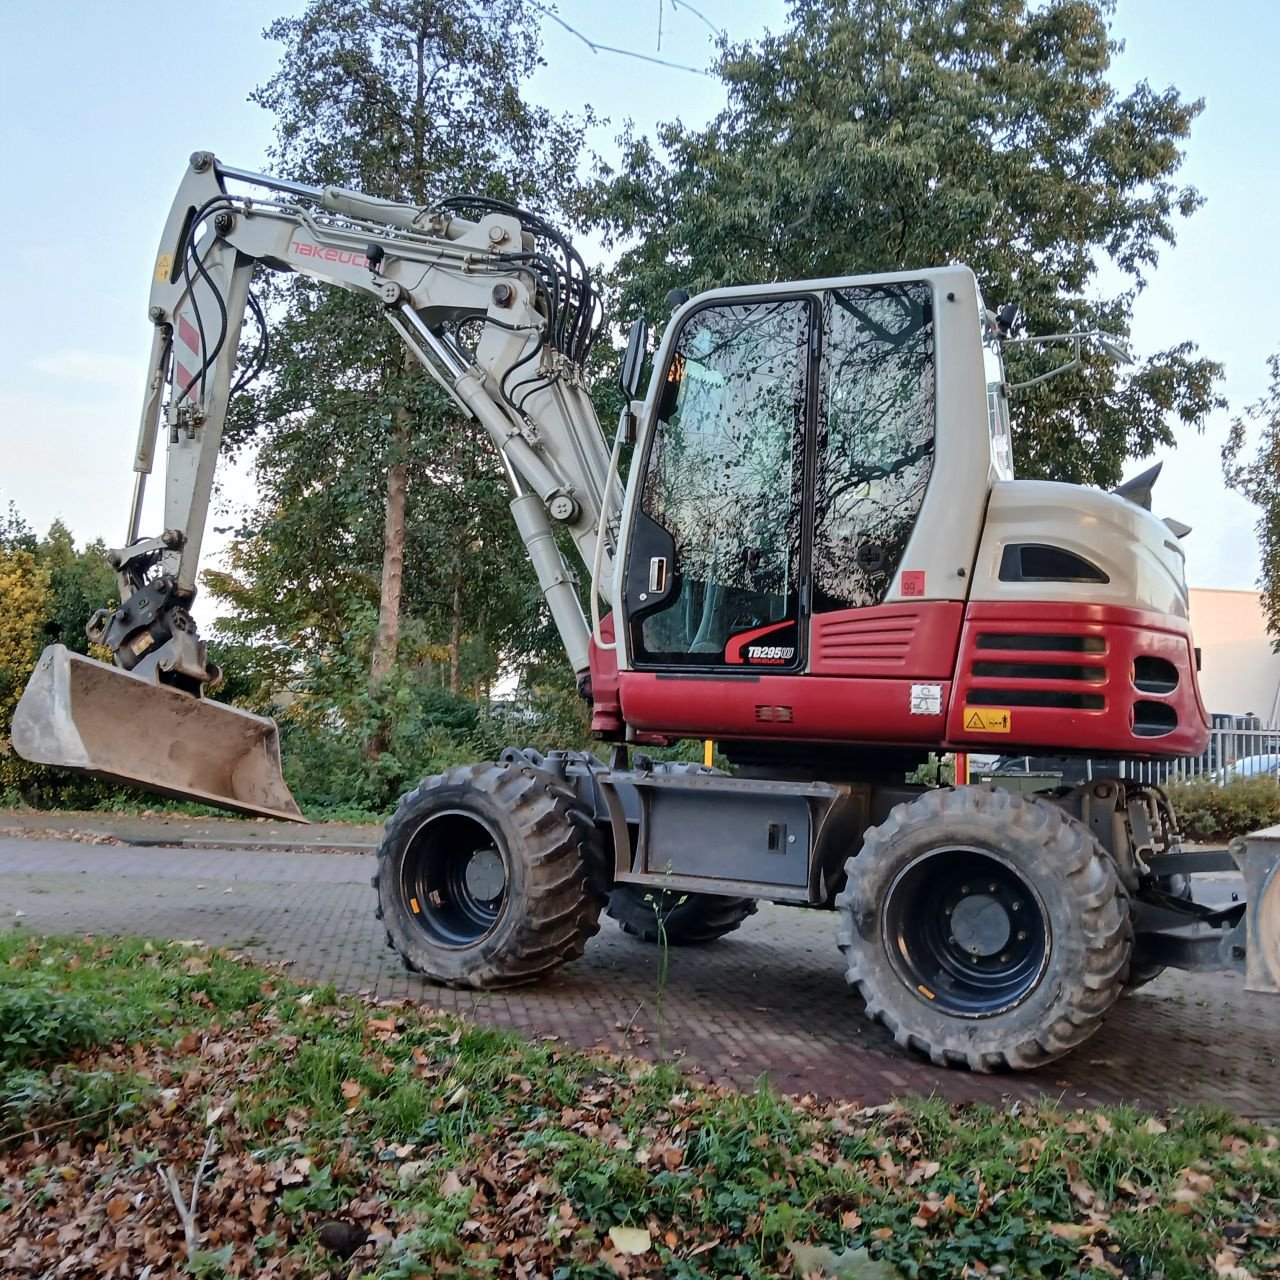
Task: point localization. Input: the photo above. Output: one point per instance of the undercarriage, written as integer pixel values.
(985, 929)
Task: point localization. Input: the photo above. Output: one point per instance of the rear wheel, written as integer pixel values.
(689, 919)
(985, 929)
(483, 877)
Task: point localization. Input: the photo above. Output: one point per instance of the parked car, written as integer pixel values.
(1250, 767)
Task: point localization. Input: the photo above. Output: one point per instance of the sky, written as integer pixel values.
(103, 103)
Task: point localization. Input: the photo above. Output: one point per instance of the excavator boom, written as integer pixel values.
(427, 269)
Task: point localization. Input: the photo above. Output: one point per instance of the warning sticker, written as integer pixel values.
(926, 699)
(988, 720)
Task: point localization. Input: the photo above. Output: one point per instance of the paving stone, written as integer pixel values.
(770, 999)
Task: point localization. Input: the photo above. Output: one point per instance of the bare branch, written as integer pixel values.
(596, 47)
(187, 1211)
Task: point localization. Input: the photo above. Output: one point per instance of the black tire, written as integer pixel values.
(698, 919)
(985, 929)
(509, 828)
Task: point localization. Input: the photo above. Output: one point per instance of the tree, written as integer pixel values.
(376, 494)
(906, 133)
(1259, 480)
(80, 582)
(24, 587)
(50, 590)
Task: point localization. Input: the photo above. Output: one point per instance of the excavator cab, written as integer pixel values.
(782, 522)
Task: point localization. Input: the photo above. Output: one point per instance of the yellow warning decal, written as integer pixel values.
(988, 720)
(164, 268)
(413, 902)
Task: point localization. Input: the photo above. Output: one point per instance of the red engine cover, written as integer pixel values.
(1076, 677)
(1053, 676)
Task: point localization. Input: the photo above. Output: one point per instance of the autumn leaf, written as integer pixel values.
(630, 1240)
(1095, 1257)
(922, 1172)
(353, 1091)
(1084, 1194)
(1074, 1230)
(1227, 1266)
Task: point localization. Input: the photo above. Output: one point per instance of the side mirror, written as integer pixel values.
(633, 360)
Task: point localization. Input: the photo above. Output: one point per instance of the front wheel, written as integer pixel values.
(483, 877)
(984, 929)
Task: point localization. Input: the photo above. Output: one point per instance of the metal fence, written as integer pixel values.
(1235, 751)
(1239, 747)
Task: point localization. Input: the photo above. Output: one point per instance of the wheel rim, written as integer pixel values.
(966, 931)
(454, 879)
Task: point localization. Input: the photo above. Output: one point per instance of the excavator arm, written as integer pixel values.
(429, 270)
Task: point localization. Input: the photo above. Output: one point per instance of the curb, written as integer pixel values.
(235, 846)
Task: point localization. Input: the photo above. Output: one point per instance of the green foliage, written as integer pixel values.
(50, 589)
(1210, 812)
(1258, 478)
(912, 133)
(39, 1024)
(426, 728)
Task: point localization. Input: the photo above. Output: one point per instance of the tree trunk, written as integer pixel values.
(387, 639)
(455, 635)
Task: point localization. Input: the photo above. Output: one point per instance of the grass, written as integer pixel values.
(461, 1148)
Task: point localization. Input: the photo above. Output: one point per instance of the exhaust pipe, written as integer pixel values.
(80, 714)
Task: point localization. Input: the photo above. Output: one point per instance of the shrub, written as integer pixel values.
(1210, 812)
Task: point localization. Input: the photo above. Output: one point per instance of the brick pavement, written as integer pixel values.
(770, 999)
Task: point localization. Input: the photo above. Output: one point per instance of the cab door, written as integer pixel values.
(714, 575)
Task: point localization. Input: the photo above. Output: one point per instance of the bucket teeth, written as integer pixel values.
(77, 713)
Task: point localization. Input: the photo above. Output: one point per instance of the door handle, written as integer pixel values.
(658, 574)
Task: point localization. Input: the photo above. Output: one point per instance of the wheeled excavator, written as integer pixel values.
(820, 559)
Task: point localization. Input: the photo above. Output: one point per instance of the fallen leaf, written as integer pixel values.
(848, 1264)
(922, 1172)
(353, 1091)
(632, 1240)
(1085, 1195)
(1226, 1265)
(1094, 1256)
(1074, 1230)
(1154, 1126)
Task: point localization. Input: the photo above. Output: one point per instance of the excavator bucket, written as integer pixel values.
(77, 713)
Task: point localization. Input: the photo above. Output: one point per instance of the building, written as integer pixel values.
(1239, 668)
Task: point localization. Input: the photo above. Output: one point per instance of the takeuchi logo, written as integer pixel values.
(327, 253)
(772, 653)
